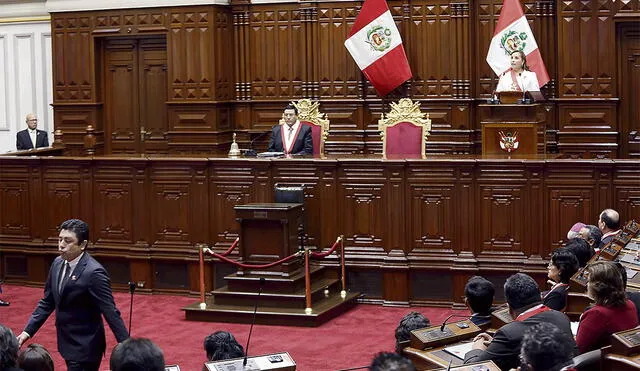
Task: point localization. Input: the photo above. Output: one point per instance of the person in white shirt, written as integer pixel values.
(31, 137)
(518, 77)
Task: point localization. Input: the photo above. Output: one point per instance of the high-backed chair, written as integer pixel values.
(309, 114)
(404, 130)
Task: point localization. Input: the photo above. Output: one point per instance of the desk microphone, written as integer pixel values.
(252, 152)
(255, 309)
(132, 289)
(448, 318)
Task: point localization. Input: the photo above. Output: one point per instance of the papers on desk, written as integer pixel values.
(459, 350)
(574, 328)
(270, 154)
(631, 273)
(631, 259)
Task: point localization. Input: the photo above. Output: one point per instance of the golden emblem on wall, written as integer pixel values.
(509, 141)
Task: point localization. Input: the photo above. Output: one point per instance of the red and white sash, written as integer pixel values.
(557, 285)
(287, 150)
(514, 81)
(532, 312)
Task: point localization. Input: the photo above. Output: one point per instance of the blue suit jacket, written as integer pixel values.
(84, 299)
(23, 141)
(303, 144)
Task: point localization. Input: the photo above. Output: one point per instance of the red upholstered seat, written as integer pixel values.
(316, 134)
(404, 138)
(404, 130)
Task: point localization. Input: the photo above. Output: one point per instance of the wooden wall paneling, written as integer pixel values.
(536, 212)
(628, 39)
(192, 128)
(73, 72)
(588, 130)
(73, 119)
(152, 83)
(66, 189)
(338, 76)
(309, 28)
(572, 197)
(275, 71)
(176, 190)
(119, 199)
(18, 201)
(586, 36)
(451, 128)
(224, 61)
(345, 127)
(460, 18)
(432, 49)
(545, 31)
(626, 193)
(361, 188)
(488, 12)
(502, 197)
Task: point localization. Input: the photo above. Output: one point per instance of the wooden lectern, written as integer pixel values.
(268, 233)
(512, 129)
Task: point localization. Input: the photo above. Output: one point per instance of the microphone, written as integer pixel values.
(448, 318)
(252, 152)
(255, 310)
(132, 289)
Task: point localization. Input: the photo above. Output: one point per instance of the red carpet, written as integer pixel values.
(350, 340)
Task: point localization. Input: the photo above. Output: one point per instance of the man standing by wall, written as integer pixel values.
(31, 137)
(79, 290)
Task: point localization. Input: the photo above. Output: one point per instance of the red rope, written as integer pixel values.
(261, 266)
(233, 246)
(323, 254)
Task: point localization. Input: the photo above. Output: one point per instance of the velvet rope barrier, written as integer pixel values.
(255, 266)
(233, 246)
(331, 250)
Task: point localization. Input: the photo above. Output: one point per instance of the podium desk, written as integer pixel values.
(513, 130)
(438, 358)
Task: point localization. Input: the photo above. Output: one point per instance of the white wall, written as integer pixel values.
(25, 78)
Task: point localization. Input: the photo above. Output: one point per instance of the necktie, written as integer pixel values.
(65, 272)
(290, 132)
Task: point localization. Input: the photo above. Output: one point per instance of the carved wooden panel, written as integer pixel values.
(73, 72)
(63, 197)
(588, 130)
(586, 35)
(15, 205)
(338, 74)
(276, 71)
(629, 37)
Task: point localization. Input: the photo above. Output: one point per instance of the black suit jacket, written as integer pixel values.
(23, 141)
(504, 349)
(303, 144)
(556, 298)
(84, 299)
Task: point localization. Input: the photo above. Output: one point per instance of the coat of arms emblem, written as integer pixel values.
(379, 37)
(509, 141)
(512, 41)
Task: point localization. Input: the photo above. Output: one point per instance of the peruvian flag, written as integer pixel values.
(375, 44)
(513, 33)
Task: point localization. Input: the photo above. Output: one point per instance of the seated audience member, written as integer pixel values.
(545, 348)
(391, 362)
(591, 234)
(562, 266)
(35, 358)
(523, 298)
(609, 224)
(612, 312)
(581, 250)
(633, 296)
(574, 232)
(137, 354)
(8, 349)
(412, 321)
(222, 345)
(478, 296)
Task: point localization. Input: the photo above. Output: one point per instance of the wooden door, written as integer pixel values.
(135, 95)
(629, 34)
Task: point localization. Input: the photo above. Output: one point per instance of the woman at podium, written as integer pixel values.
(518, 77)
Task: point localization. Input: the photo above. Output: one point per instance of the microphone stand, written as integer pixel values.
(132, 289)
(253, 321)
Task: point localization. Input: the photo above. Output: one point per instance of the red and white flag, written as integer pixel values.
(513, 33)
(375, 44)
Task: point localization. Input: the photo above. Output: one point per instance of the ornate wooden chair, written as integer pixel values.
(309, 114)
(404, 130)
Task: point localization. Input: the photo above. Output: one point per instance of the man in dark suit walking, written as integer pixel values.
(79, 290)
(525, 306)
(292, 138)
(31, 137)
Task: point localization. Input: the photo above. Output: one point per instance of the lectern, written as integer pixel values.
(513, 129)
(268, 233)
